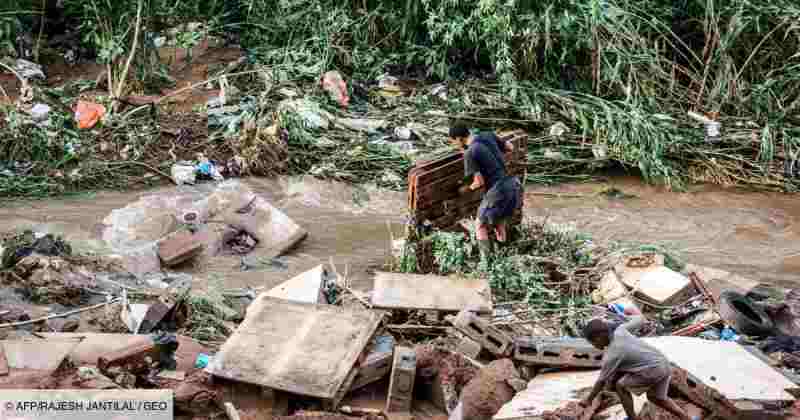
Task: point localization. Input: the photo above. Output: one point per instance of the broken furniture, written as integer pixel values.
(301, 348)
(433, 186)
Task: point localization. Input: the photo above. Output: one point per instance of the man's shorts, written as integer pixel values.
(655, 382)
(500, 201)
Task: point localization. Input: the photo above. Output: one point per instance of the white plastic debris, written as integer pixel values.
(183, 174)
(39, 112)
(558, 129)
(403, 133)
(29, 70)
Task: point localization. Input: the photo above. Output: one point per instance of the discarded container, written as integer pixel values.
(39, 112)
(207, 168)
(183, 174)
(202, 361)
(333, 83)
(87, 114)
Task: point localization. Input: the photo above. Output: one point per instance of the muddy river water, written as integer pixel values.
(752, 234)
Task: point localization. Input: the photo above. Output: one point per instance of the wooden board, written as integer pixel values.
(430, 292)
(433, 186)
(300, 348)
(725, 366)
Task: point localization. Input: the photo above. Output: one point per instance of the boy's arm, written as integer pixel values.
(634, 323)
(611, 362)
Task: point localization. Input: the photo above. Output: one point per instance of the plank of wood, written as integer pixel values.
(3, 362)
(429, 292)
(299, 348)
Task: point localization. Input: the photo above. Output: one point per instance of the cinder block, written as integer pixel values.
(557, 351)
(401, 386)
(489, 337)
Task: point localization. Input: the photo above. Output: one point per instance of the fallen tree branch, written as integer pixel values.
(45, 318)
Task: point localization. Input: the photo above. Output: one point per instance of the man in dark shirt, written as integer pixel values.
(485, 166)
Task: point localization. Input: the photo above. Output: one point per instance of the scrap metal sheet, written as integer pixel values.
(300, 348)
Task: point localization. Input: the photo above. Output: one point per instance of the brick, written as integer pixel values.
(555, 351)
(376, 365)
(180, 247)
(490, 338)
(401, 385)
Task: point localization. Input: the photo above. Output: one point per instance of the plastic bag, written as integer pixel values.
(87, 114)
(333, 83)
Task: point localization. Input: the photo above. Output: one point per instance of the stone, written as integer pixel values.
(180, 247)
(489, 391)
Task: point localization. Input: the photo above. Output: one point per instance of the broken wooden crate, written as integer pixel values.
(433, 186)
(295, 347)
(431, 292)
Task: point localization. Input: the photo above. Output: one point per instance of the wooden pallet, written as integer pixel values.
(433, 186)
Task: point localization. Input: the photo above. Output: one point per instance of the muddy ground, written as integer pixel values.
(752, 234)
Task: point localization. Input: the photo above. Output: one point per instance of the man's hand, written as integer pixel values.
(464, 189)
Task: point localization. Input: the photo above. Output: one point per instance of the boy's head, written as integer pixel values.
(597, 332)
(459, 135)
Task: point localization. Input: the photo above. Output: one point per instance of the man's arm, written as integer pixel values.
(471, 170)
(611, 362)
(634, 324)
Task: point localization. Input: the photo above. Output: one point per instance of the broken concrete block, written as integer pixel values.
(656, 283)
(180, 247)
(652, 412)
(430, 292)
(557, 351)
(377, 364)
(401, 385)
(307, 287)
(491, 338)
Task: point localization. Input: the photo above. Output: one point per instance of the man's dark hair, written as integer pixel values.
(595, 328)
(458, 130)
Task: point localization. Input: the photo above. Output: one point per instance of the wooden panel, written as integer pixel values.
(300, 348)
(430, 292)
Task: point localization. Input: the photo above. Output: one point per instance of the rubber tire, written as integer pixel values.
(745, 317)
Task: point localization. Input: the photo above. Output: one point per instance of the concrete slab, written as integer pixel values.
(296, 347)
(656, 283)
(548, 392)
(726, 367)
(430, 292)
(306, 287)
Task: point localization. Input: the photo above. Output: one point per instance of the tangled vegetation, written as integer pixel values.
(596, 82)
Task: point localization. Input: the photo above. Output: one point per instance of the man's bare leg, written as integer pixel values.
(484, 244)
(500, 232)
(627, 400)
(669, 405)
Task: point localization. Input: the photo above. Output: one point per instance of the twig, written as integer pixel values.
(45, 318)
(124, 74)
(345, 287)
(152, 169)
